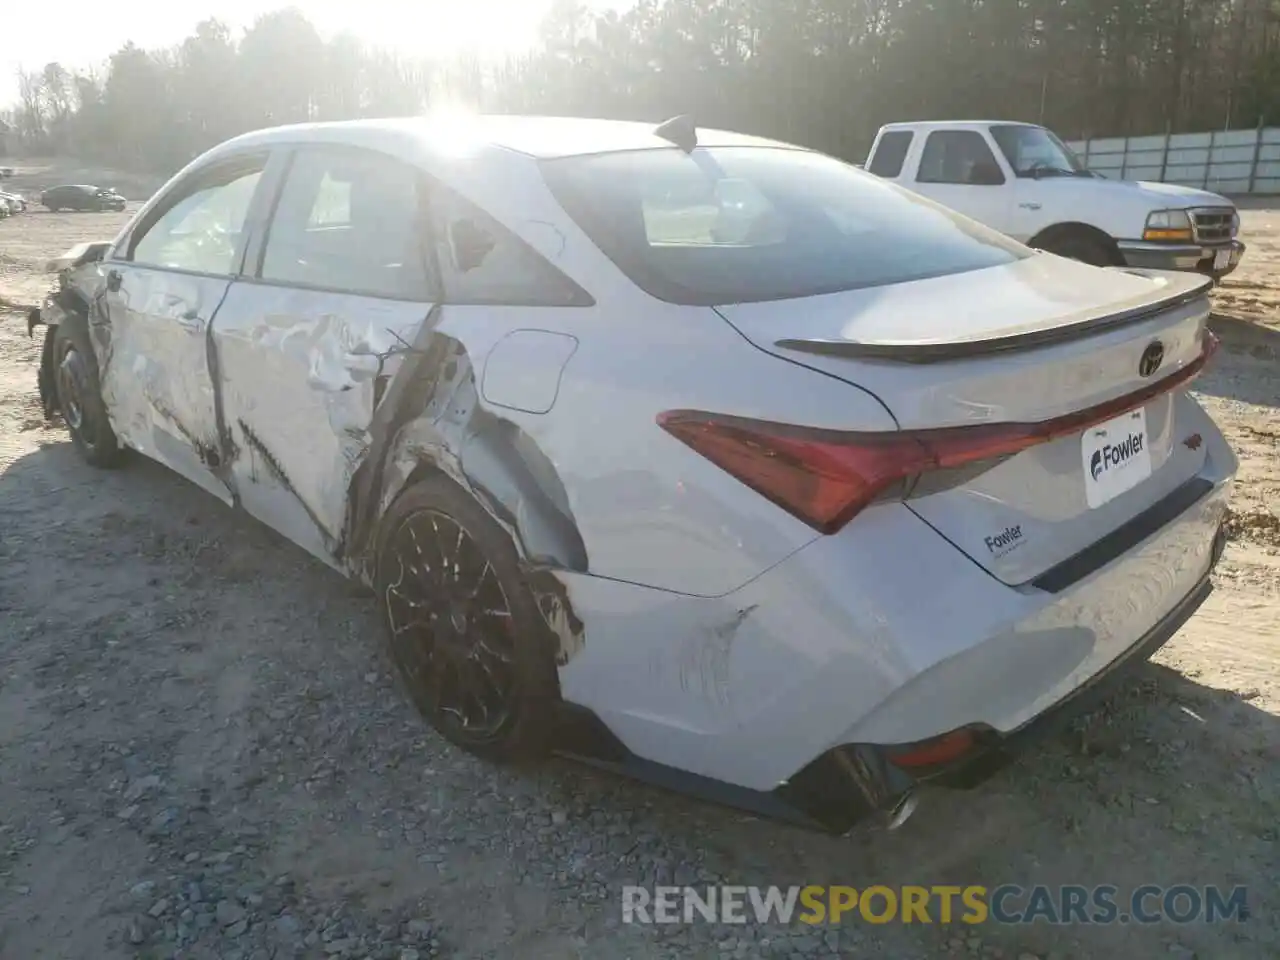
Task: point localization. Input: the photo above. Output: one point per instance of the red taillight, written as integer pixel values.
(936, 752)
(825, 477)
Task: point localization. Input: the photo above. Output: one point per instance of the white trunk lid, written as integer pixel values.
(1036, 340)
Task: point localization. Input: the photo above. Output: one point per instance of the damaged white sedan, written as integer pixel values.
(698, 456)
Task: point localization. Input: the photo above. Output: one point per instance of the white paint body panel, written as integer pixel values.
(1022, 296)
(523, 371)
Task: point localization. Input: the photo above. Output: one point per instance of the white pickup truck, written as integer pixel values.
(1022, 180)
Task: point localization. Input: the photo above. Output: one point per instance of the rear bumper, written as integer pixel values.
(848, 782)
(1000, 749)
(883, 634)
(1192, 257)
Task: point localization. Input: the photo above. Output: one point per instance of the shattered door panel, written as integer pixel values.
(301, 372)
(151, 339)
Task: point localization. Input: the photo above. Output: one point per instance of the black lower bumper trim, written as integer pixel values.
(1123, 539)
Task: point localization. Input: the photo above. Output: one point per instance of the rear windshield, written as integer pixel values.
(747, 224)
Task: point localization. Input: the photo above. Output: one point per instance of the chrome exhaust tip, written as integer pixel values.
(901, 811)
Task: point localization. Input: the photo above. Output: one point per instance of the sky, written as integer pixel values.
(82, 33)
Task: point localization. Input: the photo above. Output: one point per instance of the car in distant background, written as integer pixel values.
(80, 196)
(6, 172)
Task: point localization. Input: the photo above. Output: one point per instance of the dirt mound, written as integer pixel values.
(1258, 525)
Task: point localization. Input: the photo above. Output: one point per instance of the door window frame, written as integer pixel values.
(260, 159)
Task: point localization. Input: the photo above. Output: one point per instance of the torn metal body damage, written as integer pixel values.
(300, 377)
(315, 426)
(151, 336)
(76, 282)
(432, 418)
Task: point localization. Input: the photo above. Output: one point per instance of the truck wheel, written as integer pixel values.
(1084, 248)
(463, 629)
(80, 397)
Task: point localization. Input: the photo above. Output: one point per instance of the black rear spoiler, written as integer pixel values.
(938, 351)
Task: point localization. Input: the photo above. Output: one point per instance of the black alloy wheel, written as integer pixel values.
(452, 633)
(464, 630)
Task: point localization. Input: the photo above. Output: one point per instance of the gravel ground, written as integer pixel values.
(202, 753)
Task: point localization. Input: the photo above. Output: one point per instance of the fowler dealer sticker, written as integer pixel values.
(1116, 457)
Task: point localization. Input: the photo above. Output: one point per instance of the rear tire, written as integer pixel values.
(75, 370)
(462, 627)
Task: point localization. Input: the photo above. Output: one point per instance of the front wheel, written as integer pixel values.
(80, 397)
(463, 628)
(1084, 248)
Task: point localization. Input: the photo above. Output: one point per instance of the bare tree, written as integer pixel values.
(825, 73)
(30, 116)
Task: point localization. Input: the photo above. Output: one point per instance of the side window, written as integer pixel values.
(203, 230)
(890, 153)
(349, 220)
(958, 156)
(482, 262)
(333, 204)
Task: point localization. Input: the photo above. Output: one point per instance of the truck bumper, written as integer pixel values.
(1215, 261)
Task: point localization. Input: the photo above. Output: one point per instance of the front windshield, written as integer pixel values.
(1036, 152)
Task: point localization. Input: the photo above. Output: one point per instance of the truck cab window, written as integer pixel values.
(890, 153)
(958, 156)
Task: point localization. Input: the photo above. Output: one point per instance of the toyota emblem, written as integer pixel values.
(1151, 359)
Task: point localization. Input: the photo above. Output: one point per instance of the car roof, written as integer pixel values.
(534, 136)
(953, 124)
